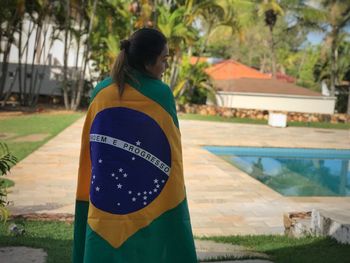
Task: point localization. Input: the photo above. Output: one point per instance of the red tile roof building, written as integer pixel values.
(230, 75)
(230, 69)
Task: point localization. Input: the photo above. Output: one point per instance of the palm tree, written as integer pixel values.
(331, 17)
(10, 17)
(322, 70)
(177, 33)
(271, 9)
(212, 15)
(194, 84)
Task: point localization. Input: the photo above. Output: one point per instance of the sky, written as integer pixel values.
(315, 38)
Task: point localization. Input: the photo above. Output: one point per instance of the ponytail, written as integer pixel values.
(121, 66)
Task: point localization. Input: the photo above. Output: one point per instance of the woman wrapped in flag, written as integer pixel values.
(131, 202)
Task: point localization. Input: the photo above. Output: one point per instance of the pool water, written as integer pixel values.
(292, 171)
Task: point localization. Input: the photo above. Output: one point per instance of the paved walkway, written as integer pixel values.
(222, 199)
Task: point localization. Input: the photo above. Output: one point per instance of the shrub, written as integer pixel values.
(6, 161)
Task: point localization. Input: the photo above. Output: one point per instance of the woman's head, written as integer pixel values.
(146, 50)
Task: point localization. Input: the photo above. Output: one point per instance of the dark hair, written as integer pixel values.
(142, 48)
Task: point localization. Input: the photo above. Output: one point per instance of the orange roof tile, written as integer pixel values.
(230, 69)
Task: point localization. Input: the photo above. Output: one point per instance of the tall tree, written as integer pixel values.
(178, 35)
(331, 17)
(271, 9)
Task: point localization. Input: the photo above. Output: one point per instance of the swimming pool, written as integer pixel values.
(293, 171)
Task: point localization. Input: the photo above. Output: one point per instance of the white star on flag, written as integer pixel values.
(144, 203)
(139, 194)
(163, 181)
(94, 176)
(138, 143)
(116, 178)
(100, 160)
(150, 192)
(97, 188)
(92, 182)
(145, 198)
(118, 204)
(125, 175)
(144, 192)
(119, 186)
(113, 174)
(130, 192)
(133, 158)
(157, 185)
(133, 199)
(120, 170)
(155, 181)
(155, 190)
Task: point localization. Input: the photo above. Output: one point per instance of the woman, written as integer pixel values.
(131, 203)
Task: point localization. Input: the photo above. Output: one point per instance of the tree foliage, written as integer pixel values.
(6, 161)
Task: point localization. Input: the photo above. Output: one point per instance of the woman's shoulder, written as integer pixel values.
(100, 86)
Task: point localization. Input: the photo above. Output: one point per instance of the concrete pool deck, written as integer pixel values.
(222, 199)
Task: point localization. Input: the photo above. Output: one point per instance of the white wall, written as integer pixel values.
(291, 103)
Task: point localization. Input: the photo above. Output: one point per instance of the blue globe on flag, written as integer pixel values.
(130, 167)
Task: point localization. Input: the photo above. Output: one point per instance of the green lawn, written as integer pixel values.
(56, 239)
(282, 249)
(324, 125)
(19, 126)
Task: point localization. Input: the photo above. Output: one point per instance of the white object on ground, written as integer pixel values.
(277, 119)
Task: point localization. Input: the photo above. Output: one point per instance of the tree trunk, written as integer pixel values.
(20, 63)
(77, 80)
(273, 55)
(65, 58)
(11, 26)
(5, 62)
(36, 44)
(333, 62)
(348, 111)
(174, 71)
(85, 59)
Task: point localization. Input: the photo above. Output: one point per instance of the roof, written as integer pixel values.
(270, 86)
(230, 69)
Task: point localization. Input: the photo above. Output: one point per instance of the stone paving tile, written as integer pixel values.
(222, 199)
(210, 250)
(22, 254)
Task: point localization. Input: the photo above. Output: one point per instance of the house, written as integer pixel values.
(240, 86)
(41, 69)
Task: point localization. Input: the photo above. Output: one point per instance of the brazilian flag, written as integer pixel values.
(131, 202)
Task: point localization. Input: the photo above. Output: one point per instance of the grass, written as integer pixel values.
(282, 249)
(56, 238)
(50, 124)
(324, 125)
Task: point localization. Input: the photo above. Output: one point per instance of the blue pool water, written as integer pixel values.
(292, 171)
